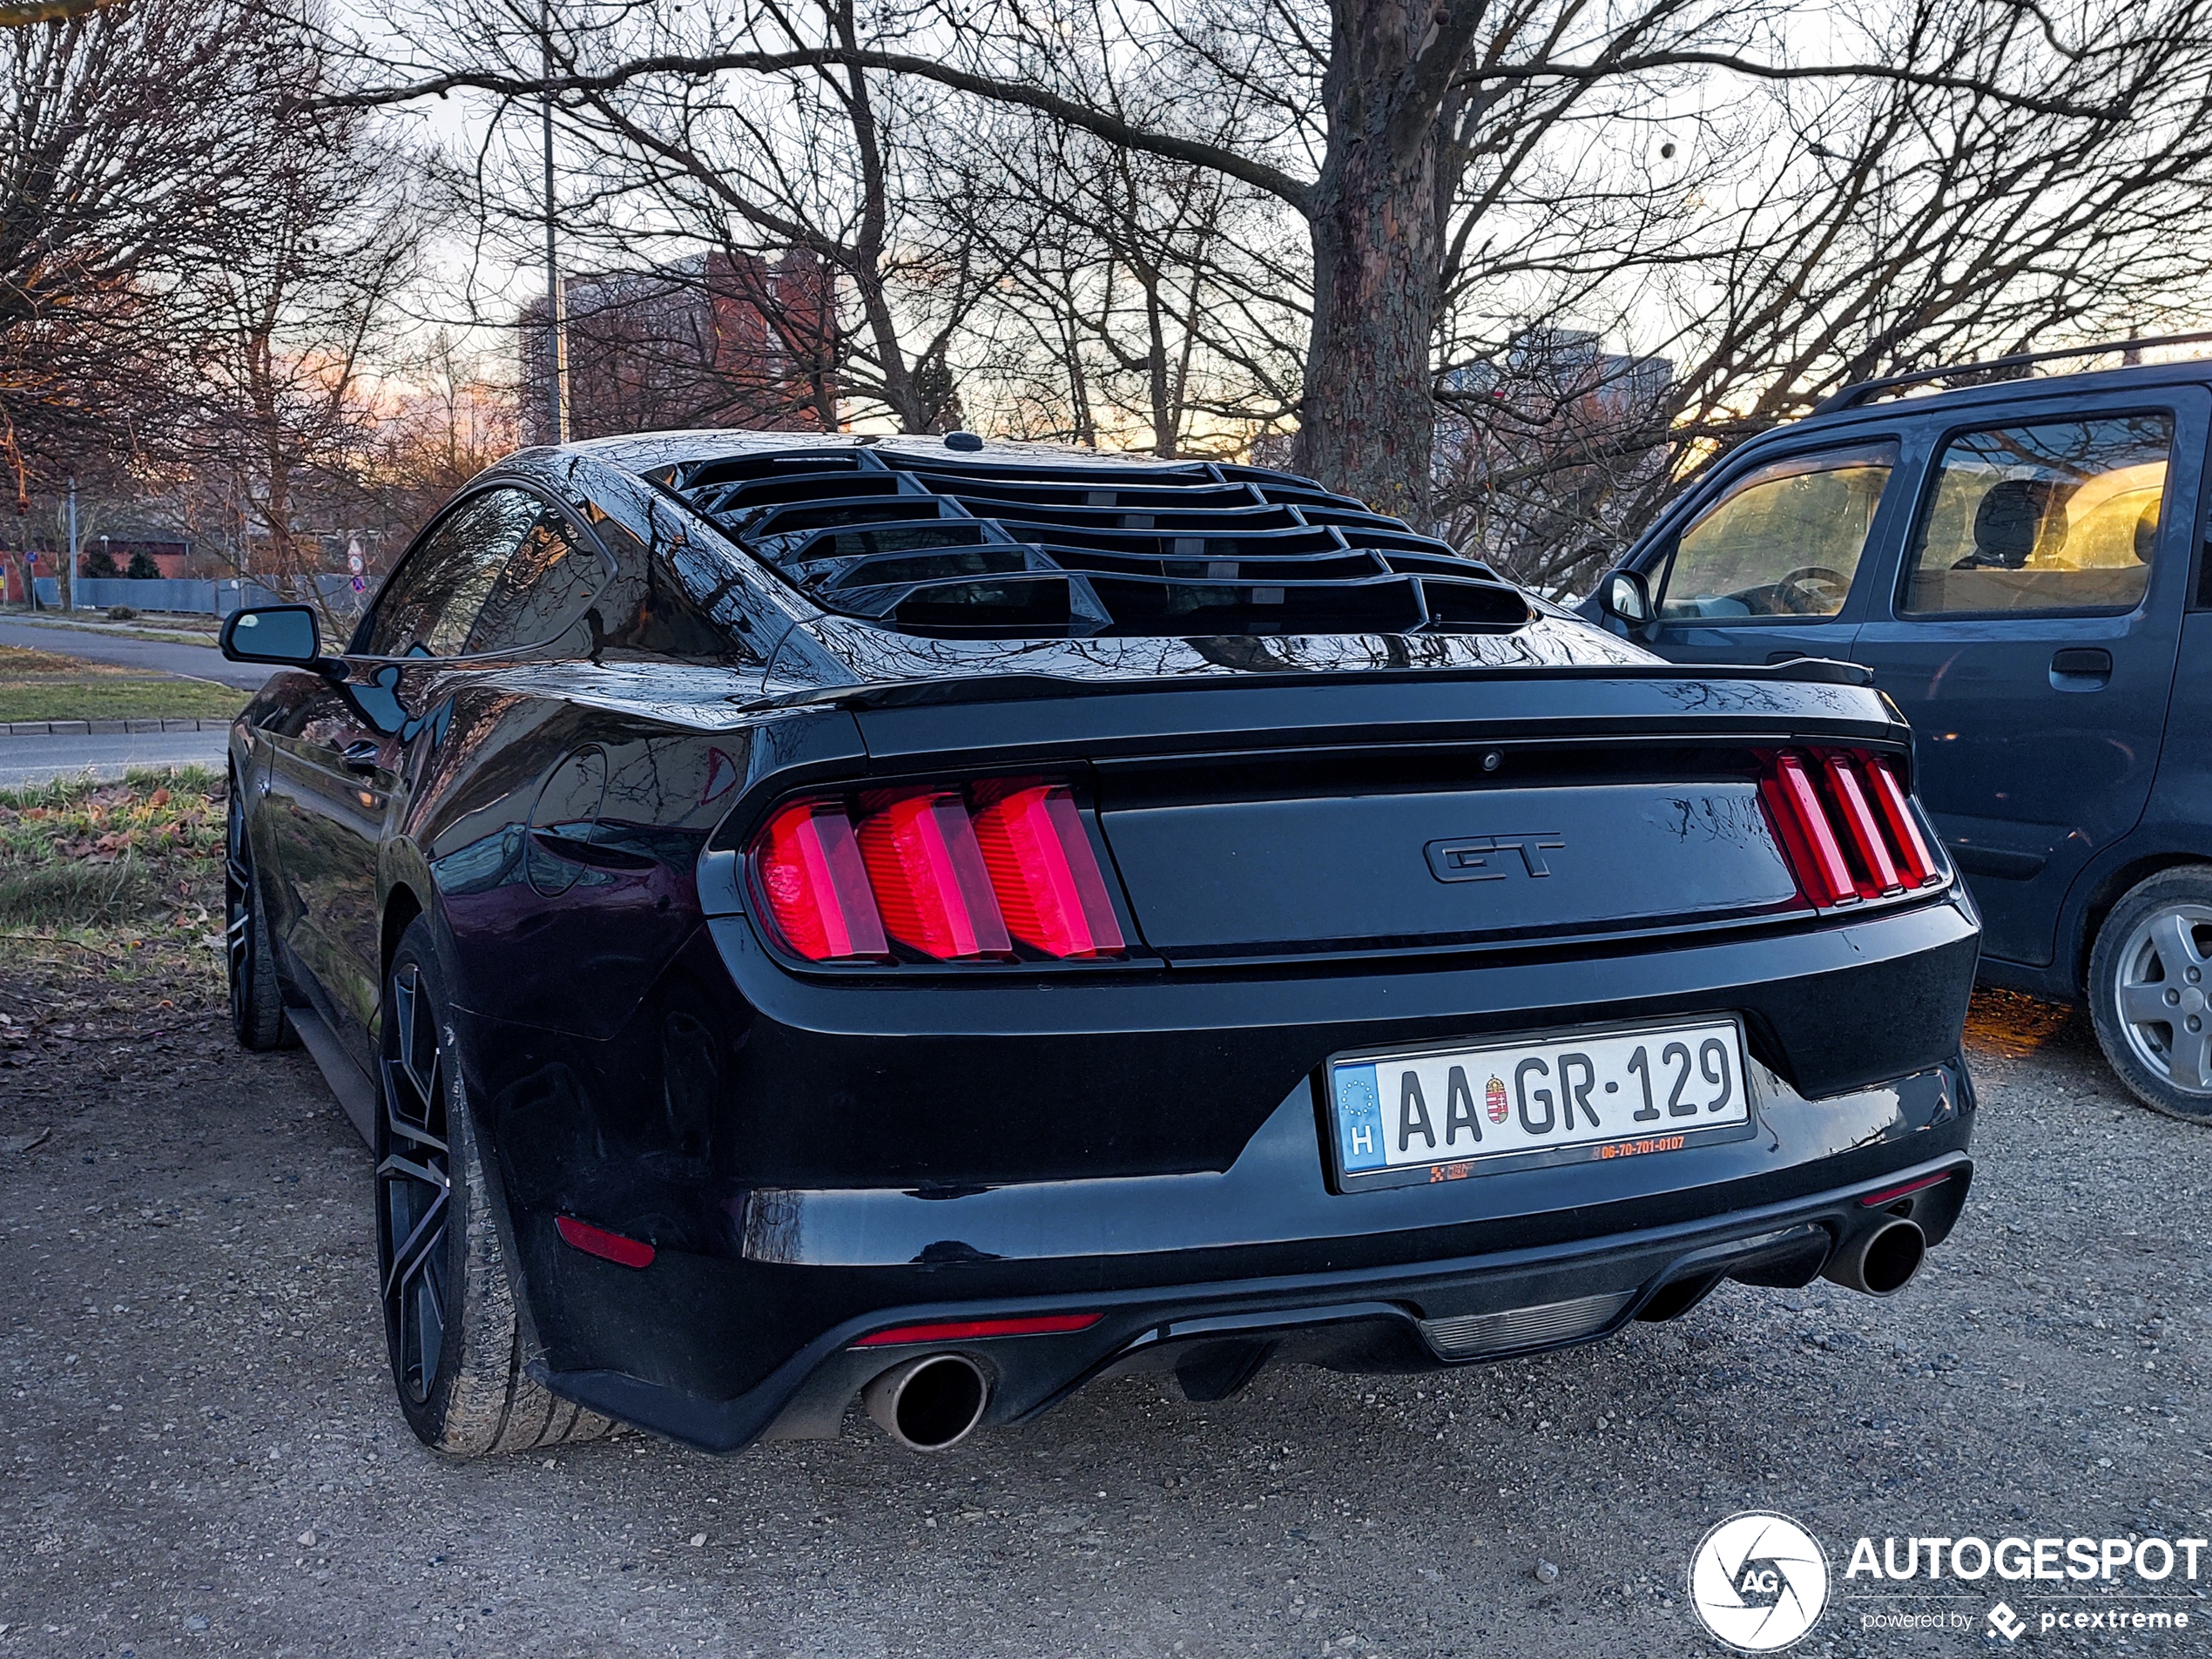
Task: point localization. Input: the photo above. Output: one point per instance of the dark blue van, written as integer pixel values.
(2023, 565)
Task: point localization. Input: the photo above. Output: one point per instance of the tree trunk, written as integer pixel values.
(1367, 422)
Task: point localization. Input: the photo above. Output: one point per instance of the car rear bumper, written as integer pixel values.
(965, 1083)
(872, 1161)
(1216, 1333)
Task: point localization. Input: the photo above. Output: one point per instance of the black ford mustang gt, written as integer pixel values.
(807, 918)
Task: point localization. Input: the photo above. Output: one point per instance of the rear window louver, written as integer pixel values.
(963, 548)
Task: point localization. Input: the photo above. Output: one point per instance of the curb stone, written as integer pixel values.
(105, 728)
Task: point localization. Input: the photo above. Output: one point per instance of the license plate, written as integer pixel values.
(1588, 1096)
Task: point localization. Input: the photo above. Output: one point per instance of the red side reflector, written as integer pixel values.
(970, 1330)
(597, 1241)
(930, 884)
(1807, 837)
(1050, 886)
(818, 886)
(1873, 1200)
(1915, 865)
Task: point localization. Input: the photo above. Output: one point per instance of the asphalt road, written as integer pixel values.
(39, 759)
(155, 656)
(202, 1457)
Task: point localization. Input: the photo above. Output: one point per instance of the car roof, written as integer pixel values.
(1913, 401)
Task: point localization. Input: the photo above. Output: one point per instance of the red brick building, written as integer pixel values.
(713, 341)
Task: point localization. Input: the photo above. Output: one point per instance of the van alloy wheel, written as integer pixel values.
(2149, 975)
(2161, 974)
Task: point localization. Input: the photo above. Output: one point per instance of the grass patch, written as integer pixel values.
(47, 685)
(110, 926)
(130, 873)
(195, 622)
(161, 626)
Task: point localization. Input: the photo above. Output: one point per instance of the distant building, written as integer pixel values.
(113, 542)
(161, 547)
(712, 342)
(1544, 371)
(1543, 453)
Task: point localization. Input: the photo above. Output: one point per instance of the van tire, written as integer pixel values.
(2150, 978)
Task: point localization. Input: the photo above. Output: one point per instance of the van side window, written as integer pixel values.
(1784, 541)
(2058, 516)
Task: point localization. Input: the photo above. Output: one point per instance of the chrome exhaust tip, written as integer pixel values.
(1881, 1261)
(930, 1404)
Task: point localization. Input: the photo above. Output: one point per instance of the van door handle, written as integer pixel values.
(2080, 668)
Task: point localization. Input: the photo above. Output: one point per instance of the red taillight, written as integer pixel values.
(930, 884)
(948, 874)
(1844, 789)
(817, 885)
(1049, 885)
(969, 1330)
(1807, 836)
(1915, 863)
(1845, 825)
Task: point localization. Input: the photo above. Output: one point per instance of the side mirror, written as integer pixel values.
(285, 636)
(1626, 597)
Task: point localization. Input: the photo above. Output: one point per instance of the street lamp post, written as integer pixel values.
(557, 357)
(76, 599)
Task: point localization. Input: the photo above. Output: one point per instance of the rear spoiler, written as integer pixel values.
(1023, 688)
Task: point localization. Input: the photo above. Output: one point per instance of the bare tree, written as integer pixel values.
(293, 314)
(1941, 174)
(132, 138)
(1392, 113)
(1144, 302)
(723, 188)
(1807, 238)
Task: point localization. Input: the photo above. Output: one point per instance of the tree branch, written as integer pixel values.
(1294, 192)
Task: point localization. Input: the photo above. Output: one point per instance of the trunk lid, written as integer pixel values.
(1402, 813)
(1421, 868)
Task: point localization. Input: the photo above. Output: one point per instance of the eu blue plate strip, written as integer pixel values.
(1359, 1126)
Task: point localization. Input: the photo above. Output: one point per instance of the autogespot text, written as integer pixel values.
(2081, 1559)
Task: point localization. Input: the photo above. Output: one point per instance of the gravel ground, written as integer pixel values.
(202, 1458)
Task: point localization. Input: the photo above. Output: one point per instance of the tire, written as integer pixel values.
(450, 1322)
(257, 1001)
(2150, 974)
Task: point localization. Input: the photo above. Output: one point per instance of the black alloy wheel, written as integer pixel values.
(413, 1186)
(451, 1326)
(257, 1001)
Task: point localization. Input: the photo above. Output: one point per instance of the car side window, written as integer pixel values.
(547, 578)
(435, 597)
(2058, 516)
(1785, 540)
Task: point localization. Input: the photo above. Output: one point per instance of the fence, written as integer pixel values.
(210, 599)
